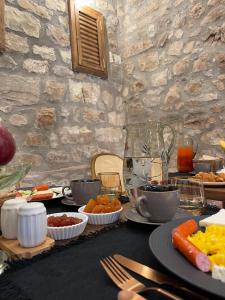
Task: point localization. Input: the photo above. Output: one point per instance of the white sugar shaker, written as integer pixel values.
(9, 217)
(32, 224)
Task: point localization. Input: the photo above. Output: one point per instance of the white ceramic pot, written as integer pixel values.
(9, 218)
(32, 224)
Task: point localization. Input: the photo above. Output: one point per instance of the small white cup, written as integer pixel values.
(9, 217)
(32, 224)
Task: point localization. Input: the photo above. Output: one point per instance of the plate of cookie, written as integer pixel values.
(210, 178)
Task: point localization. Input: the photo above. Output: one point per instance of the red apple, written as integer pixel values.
(7, 145)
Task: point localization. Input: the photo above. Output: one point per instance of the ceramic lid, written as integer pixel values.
(14, 203)
(32, 208)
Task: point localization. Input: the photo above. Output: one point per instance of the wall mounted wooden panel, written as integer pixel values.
(88, 40)
(2, 25)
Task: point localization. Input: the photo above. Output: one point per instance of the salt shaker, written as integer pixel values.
(32, 224)
(9, 217)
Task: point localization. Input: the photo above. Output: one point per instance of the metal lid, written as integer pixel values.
(32, 208)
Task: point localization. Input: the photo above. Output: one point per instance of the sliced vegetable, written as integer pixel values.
(192, 253)
(19, 194)
(41, 187)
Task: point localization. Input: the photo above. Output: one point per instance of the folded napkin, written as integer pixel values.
(218, 219)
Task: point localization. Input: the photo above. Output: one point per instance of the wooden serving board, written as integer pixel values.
(13, 248)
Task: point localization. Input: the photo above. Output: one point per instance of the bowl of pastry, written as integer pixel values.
(102, 210)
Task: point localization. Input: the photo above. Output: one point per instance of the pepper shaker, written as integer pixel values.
(32, 224)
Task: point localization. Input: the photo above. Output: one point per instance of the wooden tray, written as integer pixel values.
(13, 248)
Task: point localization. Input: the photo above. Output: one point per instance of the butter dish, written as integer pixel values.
(218, 219)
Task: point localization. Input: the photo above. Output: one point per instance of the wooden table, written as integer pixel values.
(215, 193)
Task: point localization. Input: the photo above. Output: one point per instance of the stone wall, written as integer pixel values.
(59, 118)
(174, 65)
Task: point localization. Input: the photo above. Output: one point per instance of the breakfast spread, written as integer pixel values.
(102, 204)
(210, 177)
(205, 250)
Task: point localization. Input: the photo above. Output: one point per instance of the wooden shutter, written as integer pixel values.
(2, 25)
(88, 40)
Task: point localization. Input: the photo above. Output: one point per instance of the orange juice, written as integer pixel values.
(185, 156)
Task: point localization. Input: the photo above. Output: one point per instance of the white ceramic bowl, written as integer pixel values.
(101, 219)
(67, 232)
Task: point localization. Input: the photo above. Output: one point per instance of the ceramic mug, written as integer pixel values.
(82, 190)
(157, 206)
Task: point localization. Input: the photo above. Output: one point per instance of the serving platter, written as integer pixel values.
(57, 194)
(160, 243)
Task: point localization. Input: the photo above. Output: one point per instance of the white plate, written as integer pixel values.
(55, 196)
(132, 215)
(214, 183)
(210, 183)
(160, 243)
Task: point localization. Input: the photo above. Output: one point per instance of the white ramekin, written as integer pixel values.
(67, 232)
(103, 218)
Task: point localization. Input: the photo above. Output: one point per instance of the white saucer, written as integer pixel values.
(69, 202)
(132, 215)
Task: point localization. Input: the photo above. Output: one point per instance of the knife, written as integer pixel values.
(155, 276)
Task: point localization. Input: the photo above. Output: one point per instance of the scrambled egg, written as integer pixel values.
(212, 243)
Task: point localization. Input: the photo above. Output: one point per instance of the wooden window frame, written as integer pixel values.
(2, 25)
(76, 46)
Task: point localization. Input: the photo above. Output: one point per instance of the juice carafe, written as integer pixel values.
(185, 153)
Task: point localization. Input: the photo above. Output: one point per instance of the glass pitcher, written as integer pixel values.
(146, 155)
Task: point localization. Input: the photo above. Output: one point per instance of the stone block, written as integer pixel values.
(33, 139)
(36, 66)
(33, 7)
(46, 117)
(44, 52)
(16, 43)
(22, 21)
(18, 120)
(58, 35)
(55, 89)
(28, 89)
(7, 62)
(159, 78)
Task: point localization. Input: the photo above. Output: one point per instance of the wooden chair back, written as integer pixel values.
(107, 162)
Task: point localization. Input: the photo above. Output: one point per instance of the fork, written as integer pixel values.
(126, 282)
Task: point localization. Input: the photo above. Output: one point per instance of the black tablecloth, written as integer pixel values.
(74, 272)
